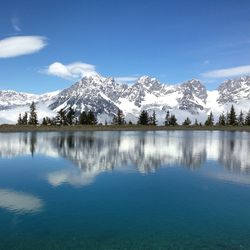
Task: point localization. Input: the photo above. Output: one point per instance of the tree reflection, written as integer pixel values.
(144, 151)
(33, 143)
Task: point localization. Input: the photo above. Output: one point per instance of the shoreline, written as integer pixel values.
(28, 128)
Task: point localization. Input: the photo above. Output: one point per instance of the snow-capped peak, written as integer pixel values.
(233, 90)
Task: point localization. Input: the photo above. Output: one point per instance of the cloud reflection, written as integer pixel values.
(230, 177)
(20, 202)
(74, 178)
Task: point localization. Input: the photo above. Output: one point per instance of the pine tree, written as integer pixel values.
(173, 121)
(222, 120)
(119, 119)
(143, 118)
(33, 115)
(240, 120)
(60, 118)
(70, 116)
(167, 119)
(54, 121)
(232, 118)
(83, 118)
(153, 120)
(46, 121)
(210, 120)
(247, 119)
(227, 119)
(25, 119)
(91, 119)
(20, 120)
(115, 120)
(196, 122)
(187, 122)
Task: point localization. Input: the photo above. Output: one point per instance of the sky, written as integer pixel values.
(48, 45)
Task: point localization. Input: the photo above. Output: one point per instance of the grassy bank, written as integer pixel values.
(40, 128)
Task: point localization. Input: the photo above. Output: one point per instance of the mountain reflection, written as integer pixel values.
(94, 152)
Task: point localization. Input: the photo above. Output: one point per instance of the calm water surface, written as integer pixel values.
(125, 190)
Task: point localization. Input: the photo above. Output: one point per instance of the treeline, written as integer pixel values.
(231, 118)
(68, 117)
(144, 119)
(28, 118)
(63, 117)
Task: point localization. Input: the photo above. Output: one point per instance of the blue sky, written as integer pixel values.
(47, 45)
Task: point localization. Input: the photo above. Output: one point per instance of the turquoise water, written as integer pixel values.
(125, 190)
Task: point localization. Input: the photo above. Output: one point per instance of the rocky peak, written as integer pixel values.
(233, 90)
(194, 95)
(148, 83)
(194, 88)
(143, 86)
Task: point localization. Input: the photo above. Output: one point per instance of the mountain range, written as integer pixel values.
(104, 96)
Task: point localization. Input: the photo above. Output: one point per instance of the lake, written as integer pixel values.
(125, 190)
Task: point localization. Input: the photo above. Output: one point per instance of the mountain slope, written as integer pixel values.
(10, 99)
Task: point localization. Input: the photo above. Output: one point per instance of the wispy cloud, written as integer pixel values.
(71, 71)
(227, 72)
(21, 45)
(206, 62)
(126, 79)
(16, 24)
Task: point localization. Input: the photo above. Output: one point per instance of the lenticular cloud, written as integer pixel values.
(71, 71)
(21, 45)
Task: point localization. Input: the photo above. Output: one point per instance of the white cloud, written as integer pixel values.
(126, 78)
(16, 24)
(78, 70)
(71, 71)
(21, 45)
(228, 72)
